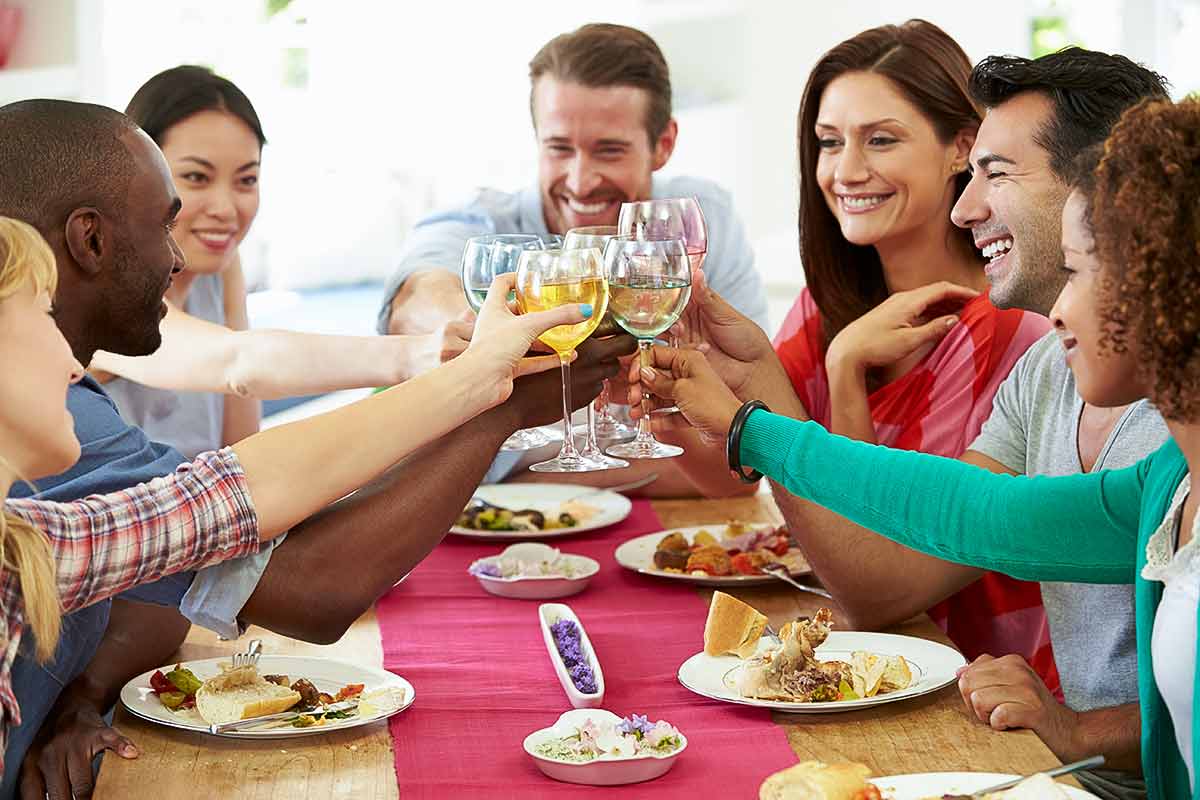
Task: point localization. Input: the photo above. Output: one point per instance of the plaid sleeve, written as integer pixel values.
(104, 544)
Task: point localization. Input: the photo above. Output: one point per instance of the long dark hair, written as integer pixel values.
(931, 71)
(177, 93)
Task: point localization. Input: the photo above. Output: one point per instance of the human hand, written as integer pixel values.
(898, 327)
(686, 379)
(537, 399)
(58, 764)
(426, 351)
(1006, 693)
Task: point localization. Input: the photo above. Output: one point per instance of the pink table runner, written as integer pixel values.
(484, 680)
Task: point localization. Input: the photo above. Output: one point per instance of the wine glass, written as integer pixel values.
(649, 284)
(485, 257)
(670, 218)
(600, 421)
(550, 278)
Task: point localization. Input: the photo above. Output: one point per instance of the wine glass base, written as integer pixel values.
(530, 439)
(575, 464)
(602, 461)
(636, 449)
(614, 429)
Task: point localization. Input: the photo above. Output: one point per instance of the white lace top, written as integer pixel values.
(1173, 643)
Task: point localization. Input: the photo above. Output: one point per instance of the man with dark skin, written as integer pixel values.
(99, 190)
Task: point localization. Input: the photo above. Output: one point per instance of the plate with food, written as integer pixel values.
(852, 781)
(716, 555)
(534, 571)
(521, 511)
(594, 746)
(808, 668)
(290, 695)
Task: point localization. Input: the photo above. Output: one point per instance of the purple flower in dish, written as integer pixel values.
(485, 568)
(635, 722)
(570, 648)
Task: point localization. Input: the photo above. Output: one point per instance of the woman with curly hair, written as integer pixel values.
(1130, 329)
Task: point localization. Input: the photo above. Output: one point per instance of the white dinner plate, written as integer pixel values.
(324, 673)
(547, 497)
(920, 786)
(933, 666)
(638, 555)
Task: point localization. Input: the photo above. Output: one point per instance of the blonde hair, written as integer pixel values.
(26, 261)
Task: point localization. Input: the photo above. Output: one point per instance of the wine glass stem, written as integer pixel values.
(644, 433)
(568, 447)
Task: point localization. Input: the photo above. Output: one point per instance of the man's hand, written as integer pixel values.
(898, 327)
(60, 765)
(537, 399)
(686, 379)
(1006, 693)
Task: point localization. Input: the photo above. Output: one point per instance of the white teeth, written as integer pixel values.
(859, 203)
(586, 208)
(214, 238)
(997, 248)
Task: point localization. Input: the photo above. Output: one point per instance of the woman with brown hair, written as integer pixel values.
(1129, 328)
(884, 131)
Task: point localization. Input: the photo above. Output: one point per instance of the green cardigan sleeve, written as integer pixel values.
(1079, 528)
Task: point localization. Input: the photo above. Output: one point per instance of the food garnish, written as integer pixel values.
(633, 737)
(570, 647)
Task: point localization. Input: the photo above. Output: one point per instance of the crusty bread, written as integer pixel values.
(897, 675)
(816, 780)
(241, 693)
(732, 627)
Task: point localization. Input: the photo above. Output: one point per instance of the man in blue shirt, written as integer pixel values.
(601, 106)
(100, 192)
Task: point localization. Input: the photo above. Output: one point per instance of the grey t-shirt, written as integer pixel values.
(1033, 430)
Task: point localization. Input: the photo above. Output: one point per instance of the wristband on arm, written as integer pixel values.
(733, 444)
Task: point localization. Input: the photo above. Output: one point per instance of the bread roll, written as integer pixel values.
(816, 780)
(241, 693)
(732, 627)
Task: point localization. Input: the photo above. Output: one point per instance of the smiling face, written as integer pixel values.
(37, 433)
(214, 160)
(1103, 377)
(593, 151)
(1013, 205)
(881, 167)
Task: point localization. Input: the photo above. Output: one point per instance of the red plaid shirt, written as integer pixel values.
(105, 544)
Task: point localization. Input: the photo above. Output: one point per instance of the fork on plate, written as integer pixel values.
(250, 657)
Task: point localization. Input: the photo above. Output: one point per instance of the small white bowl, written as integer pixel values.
(603, 771)
(550, 613)
(537, 587)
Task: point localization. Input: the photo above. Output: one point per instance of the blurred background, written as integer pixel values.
(377, 112)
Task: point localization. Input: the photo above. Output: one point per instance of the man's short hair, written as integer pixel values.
(601, 55)
(56, 156)
(1089, 91)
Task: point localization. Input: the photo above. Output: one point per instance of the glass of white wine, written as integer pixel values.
(649, 284)
(600, 421)
(550, 278)
(485, 257)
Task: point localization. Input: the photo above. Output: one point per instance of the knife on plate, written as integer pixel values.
(251, 722)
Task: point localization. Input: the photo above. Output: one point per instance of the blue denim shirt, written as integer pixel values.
(115, 456)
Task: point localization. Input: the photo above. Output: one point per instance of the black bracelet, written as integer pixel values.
(733, 443)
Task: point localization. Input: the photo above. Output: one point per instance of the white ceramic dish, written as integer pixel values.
(548, 614)
(537, 587)
(326, 674)
(919, 786)
(933, 666)
(547, 498)
(638, 555)
(603, 771)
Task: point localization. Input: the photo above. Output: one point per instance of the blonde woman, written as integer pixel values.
(57, 557)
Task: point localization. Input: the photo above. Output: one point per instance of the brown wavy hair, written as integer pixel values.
(932, 72)
(1143, 207)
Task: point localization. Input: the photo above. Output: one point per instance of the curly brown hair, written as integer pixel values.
(1145, 220)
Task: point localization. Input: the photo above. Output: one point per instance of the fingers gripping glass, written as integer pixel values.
(547, 279)
(485, 257)
(650, 281)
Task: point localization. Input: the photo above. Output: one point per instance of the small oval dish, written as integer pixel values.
(595, 746)
(571, 653)
(534, 571)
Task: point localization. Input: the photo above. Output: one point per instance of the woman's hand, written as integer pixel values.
(685, 378)
(502, 339)
(897, 328)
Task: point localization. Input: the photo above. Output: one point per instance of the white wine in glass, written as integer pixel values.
(550, 278)
(649, 284)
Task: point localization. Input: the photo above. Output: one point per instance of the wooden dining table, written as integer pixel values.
(933, 733)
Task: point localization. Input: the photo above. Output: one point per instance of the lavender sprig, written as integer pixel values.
(570, 647)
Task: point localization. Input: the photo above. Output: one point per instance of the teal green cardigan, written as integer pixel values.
(1089, 528)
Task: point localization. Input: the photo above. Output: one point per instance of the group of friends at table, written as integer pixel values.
(1001, 265)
